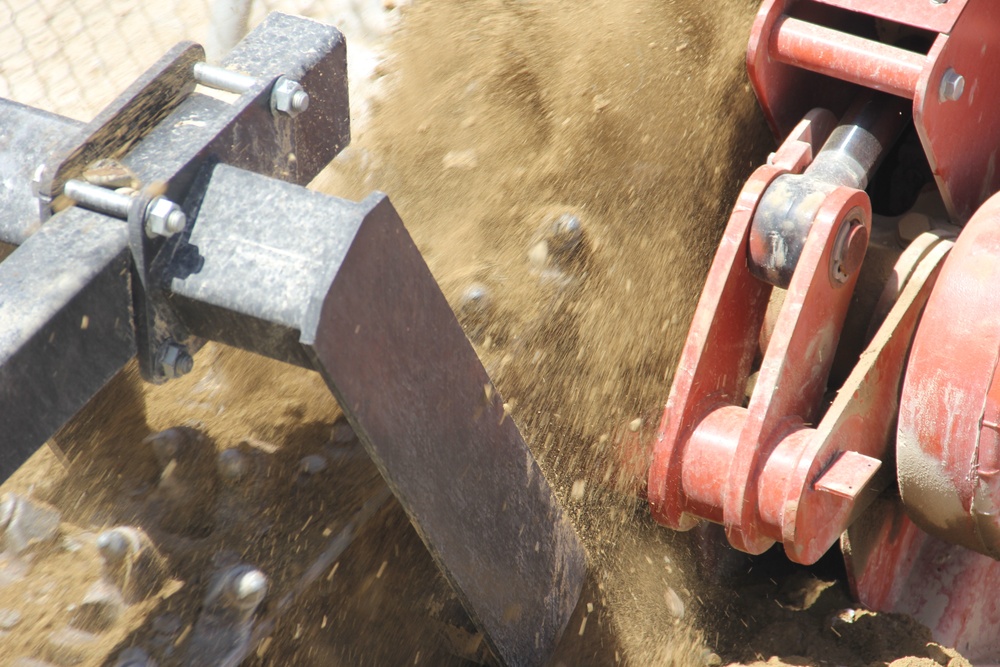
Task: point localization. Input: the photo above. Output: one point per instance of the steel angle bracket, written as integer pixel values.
(349, 295)
(70, 292)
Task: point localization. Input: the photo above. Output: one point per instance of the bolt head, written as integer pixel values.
(164, 218)
(952, 86)
(288, 97)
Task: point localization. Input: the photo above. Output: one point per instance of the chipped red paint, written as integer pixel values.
(949, 447)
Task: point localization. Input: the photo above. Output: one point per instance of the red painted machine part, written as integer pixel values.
(792, 378)
(732, 301)
(807, 54)
(962, 138)
(948, 450)
(815, 482)
(894, 566)
(827, 489)
(930, 15)
(760, 470)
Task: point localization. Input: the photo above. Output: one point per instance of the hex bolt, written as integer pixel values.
(220, 78)
(952, 86)
(99, 199)
(288, 97)
(175, 361)
(163, 217)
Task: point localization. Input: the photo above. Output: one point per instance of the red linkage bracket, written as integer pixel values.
(804, 54)
(763, 471)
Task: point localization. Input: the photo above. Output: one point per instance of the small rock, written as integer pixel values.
(635, 424)
(313, 464)
(233, 465)
(101, 608)
(12, 569)
(9, 619)
(674, 603)
(564, 235)
(110, 173)
(342, 433)
(466, 160)
(948, 657)
(601, 103)
(25, 522)
(578, 490)
(801, 590)
(539, 255)
(71, 545)
(69, 646)
(134, 657)
(710, 658)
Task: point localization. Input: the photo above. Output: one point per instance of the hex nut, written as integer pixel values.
(175, 361)
(289, 97)
(164, 218)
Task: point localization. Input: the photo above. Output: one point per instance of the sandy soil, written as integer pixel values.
(491, 122)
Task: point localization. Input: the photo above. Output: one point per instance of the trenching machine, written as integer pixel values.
(839, 381)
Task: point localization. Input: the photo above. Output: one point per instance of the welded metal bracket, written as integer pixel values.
(268, 266)
(357, 303)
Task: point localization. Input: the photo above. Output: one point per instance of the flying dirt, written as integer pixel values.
(566, 171)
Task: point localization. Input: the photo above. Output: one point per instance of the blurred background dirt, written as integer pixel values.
(566, 169)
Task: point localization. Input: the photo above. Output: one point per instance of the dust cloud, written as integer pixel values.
(566, 170)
